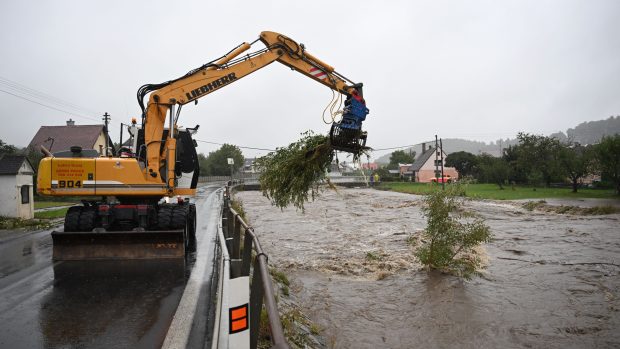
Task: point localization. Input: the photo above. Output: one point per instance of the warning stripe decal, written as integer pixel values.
(317, 73)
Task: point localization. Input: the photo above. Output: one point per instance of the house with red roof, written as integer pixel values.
(62, 138)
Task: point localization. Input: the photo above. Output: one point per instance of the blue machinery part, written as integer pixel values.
(347, 135)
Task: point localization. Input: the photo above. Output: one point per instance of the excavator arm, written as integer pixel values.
(214, 76)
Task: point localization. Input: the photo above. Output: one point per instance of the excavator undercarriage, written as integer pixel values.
(122, 231)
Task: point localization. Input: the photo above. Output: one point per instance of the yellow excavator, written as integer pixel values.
(132, 220)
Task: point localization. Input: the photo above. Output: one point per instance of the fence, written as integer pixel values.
(261, 288)
(237, 176)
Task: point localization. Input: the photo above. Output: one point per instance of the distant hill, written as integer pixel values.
(589, 132)
(451, 145)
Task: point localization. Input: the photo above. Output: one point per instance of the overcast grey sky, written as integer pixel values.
(479, 70)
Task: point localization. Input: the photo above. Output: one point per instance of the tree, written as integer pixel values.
(384, 174)
(608, 159)
(538, 156)
(576, 161)
(400, 157)
(448, 243)
(203, 164)
(216, 163)
(493, 170)
(465, 163)
(7, 148)
(518, 172)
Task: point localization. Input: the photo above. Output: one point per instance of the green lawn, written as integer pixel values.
(492, 191)
(47, 204)
(51, 214)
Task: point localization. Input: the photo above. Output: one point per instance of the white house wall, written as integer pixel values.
(25, 211)
(8, 195)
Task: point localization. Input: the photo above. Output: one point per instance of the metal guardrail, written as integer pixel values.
(261, 288)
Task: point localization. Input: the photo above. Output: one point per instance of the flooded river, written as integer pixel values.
(552, 280)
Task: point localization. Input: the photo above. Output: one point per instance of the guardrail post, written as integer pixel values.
(256, 304)
(225, 222)
(247, 253)
(236, 238)
(235, 261)
(230, 222)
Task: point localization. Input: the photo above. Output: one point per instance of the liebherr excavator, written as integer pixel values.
(131, 221)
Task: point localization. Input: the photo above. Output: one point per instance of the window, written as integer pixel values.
(437, 162)
(25, 192)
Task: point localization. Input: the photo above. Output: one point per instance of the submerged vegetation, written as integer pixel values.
(448, 243)
(541, 205)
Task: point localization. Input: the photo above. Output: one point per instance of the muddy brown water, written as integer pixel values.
(552, 280)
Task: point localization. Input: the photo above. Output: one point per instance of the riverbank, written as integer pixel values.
(493, 192)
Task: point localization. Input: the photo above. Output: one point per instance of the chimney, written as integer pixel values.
(70, 122)
(423, 148)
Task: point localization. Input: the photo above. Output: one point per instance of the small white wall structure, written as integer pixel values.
(16, 187)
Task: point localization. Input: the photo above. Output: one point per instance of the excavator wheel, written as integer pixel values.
(179, 217)
(164, 217)
(88, 215)
(72, 218)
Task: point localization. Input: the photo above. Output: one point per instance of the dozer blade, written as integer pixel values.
(117, 245)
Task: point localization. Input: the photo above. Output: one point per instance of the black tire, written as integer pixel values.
(72, 218)
(179, 217)
(191, 243)
(87, 219)
(192, 219)
(164, 217)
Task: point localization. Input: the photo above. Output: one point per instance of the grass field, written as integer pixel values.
(48, 204)
(51, 214)
(492, 191)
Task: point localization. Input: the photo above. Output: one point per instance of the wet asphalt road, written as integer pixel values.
(103, 304)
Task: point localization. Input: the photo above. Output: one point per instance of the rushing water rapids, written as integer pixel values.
(552, 280)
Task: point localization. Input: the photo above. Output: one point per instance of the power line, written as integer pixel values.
(48, 106)
(238, 146)
(28, 91)
(390, 148)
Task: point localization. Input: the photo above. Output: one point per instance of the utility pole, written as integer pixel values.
(436, 164)
(443, 180)
(106, 120)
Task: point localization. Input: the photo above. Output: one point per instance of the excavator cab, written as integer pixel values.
(347, 135)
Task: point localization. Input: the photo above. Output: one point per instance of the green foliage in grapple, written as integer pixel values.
(291, 174)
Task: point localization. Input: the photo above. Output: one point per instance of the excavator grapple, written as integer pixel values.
(347, 135)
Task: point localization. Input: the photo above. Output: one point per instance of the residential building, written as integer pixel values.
(16, 187)
(62, 138)
(405, 172)
(248, 166)
(428, 165)
(373, 166)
